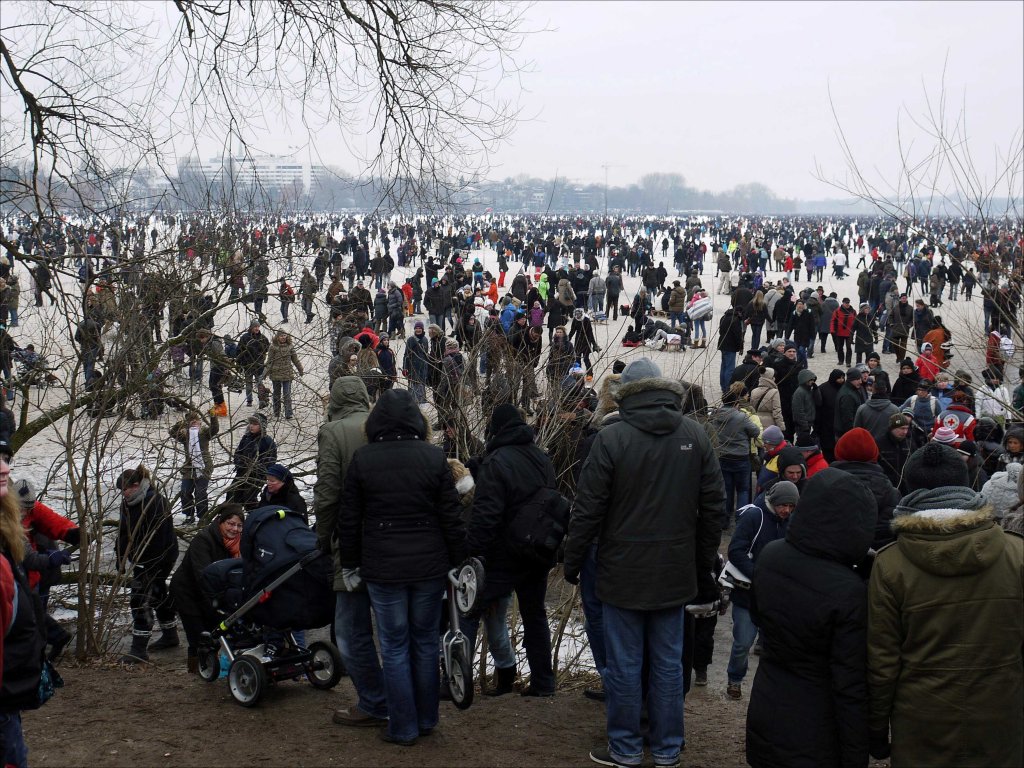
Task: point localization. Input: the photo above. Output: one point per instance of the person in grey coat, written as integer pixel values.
(828, 306)
(658, 541)
(874, 415)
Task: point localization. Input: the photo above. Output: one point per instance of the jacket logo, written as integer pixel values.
(686, 447)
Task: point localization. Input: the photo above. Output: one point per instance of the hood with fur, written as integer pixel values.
(950, 542)
(652, 405)
(606, 398)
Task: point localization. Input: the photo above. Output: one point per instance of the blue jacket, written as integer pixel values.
(756, 528)
(508, 316)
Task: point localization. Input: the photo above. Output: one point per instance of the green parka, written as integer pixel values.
(339, 437)
(945, 639)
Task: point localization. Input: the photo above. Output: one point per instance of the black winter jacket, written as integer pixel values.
(811, 607)
(288, 497)
(886, 497)
(145, 533)
(655, 534)
(407, 531)
(511, 471)
(207, 547)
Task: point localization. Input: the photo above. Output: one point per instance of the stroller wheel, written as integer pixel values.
(460, 677)
(325, 666)
(470, 584)
(209, 663)
(247, 679)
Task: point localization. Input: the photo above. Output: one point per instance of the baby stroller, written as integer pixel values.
(281, 583)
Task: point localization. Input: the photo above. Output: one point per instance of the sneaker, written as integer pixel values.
(356, 719)
(700, 677)
(601, 756)
(594, 694)
(734, 691)
(667, 763)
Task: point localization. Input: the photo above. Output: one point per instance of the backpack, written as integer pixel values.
(230, 347)
(538, 526)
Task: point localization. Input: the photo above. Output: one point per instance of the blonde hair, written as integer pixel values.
(12, 532)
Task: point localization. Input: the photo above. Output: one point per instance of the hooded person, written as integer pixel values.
(805, 401)
(857, 455)
(851, 396)
(946, 626)
(905, 385)
(766, 400)
(811, 608)
(825, 428)
(790, 465)
(511, 471)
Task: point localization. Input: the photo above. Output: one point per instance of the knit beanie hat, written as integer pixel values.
(451, 345)
(946, 436)
(782, 492)
(418, 325)
(280, 471)
(935, 466)
(853, 373)
(805, 441)
(643, 368)
(857, 445)
(772, 436)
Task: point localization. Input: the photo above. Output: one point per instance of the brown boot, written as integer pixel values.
(193, 665)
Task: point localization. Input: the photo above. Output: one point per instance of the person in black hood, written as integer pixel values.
(401, 539)
(811, 607)
(825, 427)
(512, 470)
(906, 383)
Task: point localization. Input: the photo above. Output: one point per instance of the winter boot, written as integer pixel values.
(220, 410)
(168, 639)
(193, 665)
(504, 678)
(138, 650)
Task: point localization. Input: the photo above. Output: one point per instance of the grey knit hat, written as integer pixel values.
(783, 492)
(935, 466)
(643, 368)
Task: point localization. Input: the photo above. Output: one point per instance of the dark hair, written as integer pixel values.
(226, 511)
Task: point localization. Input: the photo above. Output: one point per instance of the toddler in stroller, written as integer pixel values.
(281, 584)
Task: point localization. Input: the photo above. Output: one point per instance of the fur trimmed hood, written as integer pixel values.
(950, 542)
(647, 385)
(606, 398)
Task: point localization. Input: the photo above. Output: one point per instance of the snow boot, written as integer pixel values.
(138, 650)
(504, 679)
(168, 639)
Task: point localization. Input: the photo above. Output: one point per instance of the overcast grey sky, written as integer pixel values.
(728, 93)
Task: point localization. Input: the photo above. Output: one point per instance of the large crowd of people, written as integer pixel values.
(864, 532)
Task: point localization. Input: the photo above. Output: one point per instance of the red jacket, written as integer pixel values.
(42, 519)
(815, 463)
(842, 322)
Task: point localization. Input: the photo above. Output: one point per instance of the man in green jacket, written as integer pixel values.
(946, 626)
(651, 493)
(339, 437)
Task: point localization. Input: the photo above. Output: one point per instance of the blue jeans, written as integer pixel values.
(407, 619)
(593, 617)
(736, 475)
(725, 372)
(12, 739)
(353, 631)
(626, 634)
(676, 316)
(700, 329)
(755, 335)
(596, 302)
(498, 642)
(743, 634)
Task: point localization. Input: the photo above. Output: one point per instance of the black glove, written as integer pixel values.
(878, 744)
(572, 576)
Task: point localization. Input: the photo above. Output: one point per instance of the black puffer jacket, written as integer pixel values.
(511, 471)
(399, 530)
(649, 525)
(811, 607)
(207, 547)
(145, 533)
(886, 497)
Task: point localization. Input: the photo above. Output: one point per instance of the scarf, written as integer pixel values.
(195, 449)
(132, 499)
(232, 545)
(947, 497)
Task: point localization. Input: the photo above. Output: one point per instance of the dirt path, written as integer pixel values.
(158, 715)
